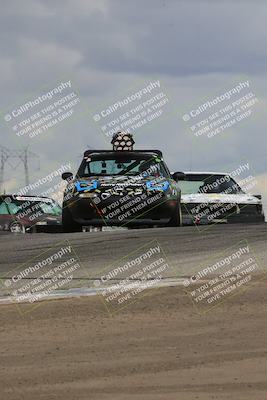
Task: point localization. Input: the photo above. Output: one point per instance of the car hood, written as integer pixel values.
(241, 198)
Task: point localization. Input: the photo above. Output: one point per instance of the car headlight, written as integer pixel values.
(159, 186)
(85, 186)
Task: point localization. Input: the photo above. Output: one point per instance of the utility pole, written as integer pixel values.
(24, 159)
(23, 155)
(4, 158)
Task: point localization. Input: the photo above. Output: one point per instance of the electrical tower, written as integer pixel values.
(22, 156)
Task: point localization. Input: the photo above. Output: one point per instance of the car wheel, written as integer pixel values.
(16, 227)
(176, 219)
(68, 224)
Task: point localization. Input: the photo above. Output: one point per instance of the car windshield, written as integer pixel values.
(28, 207)
(205, 183)
(123, 164)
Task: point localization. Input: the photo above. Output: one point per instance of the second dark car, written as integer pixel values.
(20, 214)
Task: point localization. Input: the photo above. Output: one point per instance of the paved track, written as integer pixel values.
(187, 248)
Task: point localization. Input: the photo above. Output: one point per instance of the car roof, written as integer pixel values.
(14, 195)
(205, 172)
(88, 152)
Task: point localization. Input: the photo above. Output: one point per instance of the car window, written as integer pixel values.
(107, 167)
(50, 208)
(112, 167)
(3, 208)
(190, 187)
(30, 207)
(133, 166)
(13, 208)
(208, 184)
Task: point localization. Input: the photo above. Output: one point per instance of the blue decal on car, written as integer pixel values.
(152, 185)
(81, 186)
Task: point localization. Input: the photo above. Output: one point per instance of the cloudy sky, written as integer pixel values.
(110, 49)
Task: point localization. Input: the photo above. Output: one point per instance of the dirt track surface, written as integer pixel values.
(158, 348)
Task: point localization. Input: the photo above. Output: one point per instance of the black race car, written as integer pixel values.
(121, 187)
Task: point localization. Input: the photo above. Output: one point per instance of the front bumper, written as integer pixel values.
(199, 213)
(46, 226)
(159, 212)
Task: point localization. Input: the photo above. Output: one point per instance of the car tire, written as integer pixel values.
(17, 227)
(176, 219)
(68, 224)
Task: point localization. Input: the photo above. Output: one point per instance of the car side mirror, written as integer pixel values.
(178, 176)
(66, 176)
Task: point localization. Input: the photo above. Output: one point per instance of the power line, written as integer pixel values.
(23, 156)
